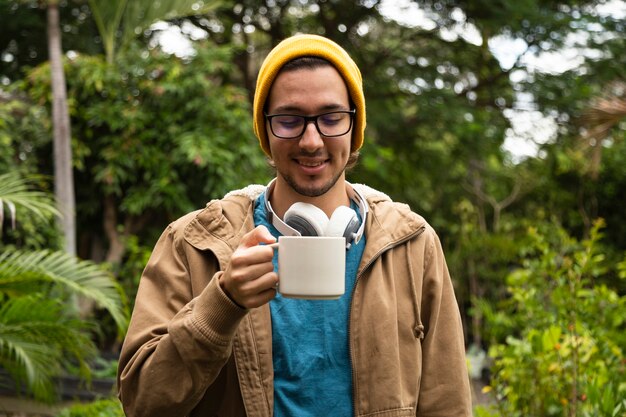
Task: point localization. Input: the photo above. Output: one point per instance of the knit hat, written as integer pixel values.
(308, 45)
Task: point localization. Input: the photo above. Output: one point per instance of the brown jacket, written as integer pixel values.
(190, 351)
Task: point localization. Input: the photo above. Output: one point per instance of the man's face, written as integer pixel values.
(311, 164)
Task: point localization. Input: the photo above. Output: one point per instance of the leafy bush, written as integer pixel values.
(109, 407)
(564, 355)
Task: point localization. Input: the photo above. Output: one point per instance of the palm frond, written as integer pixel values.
(16, 192)
(140, 15)
(37, 341)
(133, 17)
(603, 114)
(606, 111)
(28, 363)
(148, 12)
(78, 276)
(108, 17)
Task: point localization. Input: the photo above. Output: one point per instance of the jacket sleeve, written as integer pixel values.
(444, 389)
(176, 345)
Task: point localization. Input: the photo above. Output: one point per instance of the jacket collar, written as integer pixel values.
(388, 223)
(222, 223)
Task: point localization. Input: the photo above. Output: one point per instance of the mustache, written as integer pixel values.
(316, 154)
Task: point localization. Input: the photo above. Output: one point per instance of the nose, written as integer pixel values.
(311, 139)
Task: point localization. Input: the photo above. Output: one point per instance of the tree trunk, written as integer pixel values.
(111, 229)
(63, 174)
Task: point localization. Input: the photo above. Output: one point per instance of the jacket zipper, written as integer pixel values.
(384, 249)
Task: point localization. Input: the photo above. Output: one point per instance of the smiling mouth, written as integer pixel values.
(311, 164)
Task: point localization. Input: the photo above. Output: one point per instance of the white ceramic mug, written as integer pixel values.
(311, 267)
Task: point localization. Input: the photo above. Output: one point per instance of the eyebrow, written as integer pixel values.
(298, 110)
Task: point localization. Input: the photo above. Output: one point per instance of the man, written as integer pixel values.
(211, 336)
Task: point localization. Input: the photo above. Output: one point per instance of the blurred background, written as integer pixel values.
(502, 122)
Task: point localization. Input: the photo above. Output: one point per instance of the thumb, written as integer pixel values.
(259, 234)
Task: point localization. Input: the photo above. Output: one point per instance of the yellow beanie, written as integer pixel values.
(308, 45)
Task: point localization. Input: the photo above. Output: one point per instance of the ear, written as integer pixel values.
(307, 219)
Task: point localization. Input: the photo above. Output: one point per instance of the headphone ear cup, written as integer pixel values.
(344, 222)
(307, 219)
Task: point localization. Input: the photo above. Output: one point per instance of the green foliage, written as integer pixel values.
(39, 340)
(158, 134)
(23, 41)
(41, 333)
(16, 194)
(609, 188)
(110, 407)
(565, 349)
(23, 134)
(45, 269)
(105, 368)
(130, 270)
(24, 127)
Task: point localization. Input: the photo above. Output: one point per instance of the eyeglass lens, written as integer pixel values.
(329, 124)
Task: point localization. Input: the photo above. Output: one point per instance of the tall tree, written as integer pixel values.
(63, 168)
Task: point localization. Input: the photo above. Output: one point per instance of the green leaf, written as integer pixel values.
(79, 277)
(17, 194)
(551, 338)
(37, 340)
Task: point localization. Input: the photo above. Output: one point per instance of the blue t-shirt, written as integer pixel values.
(311, 353)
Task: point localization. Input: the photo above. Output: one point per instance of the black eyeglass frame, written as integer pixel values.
(311, 119)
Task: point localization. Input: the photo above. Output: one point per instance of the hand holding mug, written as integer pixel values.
(249, 279)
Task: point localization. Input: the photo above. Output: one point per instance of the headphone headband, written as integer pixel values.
(287, 230)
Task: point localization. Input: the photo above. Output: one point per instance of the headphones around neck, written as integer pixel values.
(304, 219)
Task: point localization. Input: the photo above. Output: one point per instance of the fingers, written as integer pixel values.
(258, 235)
(250, 265)
(257, 292)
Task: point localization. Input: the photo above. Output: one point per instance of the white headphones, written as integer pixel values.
(303, 219)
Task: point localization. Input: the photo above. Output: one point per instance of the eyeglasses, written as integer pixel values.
(292, 126)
